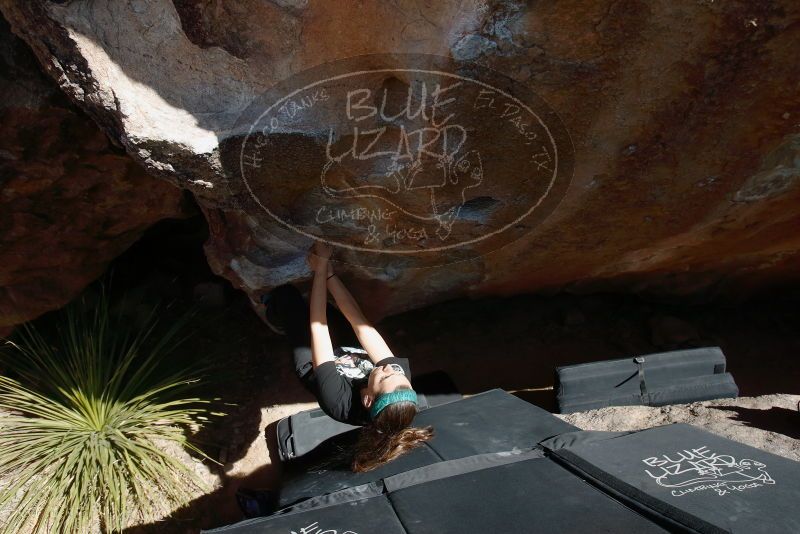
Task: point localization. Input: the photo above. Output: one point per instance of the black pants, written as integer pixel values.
(293, 311)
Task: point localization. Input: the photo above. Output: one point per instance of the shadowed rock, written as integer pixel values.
(70, 202)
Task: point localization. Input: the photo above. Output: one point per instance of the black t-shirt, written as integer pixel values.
(340, 382)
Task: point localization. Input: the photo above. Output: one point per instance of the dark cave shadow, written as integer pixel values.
(779, 420)
(543, 398)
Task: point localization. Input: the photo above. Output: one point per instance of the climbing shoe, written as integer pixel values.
(271, 318)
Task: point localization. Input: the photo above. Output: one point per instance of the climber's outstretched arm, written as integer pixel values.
(367, 335)
(321, 345)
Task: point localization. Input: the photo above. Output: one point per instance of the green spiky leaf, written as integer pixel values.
(84, 418)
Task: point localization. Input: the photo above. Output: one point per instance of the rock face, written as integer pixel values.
(769, 422)
(684, 119)
(69, 201)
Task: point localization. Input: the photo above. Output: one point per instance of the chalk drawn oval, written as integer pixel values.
(399, 154)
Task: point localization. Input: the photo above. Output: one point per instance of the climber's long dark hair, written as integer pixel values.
(390, 435)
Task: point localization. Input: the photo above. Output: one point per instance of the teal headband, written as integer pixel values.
(386, 399)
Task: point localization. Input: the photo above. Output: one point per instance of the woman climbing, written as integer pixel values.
(364, 386)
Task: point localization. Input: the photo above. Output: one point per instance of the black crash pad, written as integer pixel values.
(518, 492)
(357, 517)
(689, 478)
(659, 379)
(530, 496)
(327, 469)
(492, 421)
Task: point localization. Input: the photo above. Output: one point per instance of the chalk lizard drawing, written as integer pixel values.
(699, 466)
(431, 176)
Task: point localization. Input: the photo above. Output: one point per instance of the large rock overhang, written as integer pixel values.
(684, 121)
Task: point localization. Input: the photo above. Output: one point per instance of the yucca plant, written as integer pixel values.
(86, 420)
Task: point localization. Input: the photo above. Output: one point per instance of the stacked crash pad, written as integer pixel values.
(674, 377)
(499, 464)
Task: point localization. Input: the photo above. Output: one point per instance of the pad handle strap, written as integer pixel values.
(639, 360)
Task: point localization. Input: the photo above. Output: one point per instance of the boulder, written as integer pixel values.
(70, 201)
(674, 136)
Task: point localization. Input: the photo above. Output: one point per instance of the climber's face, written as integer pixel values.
(384, 379)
